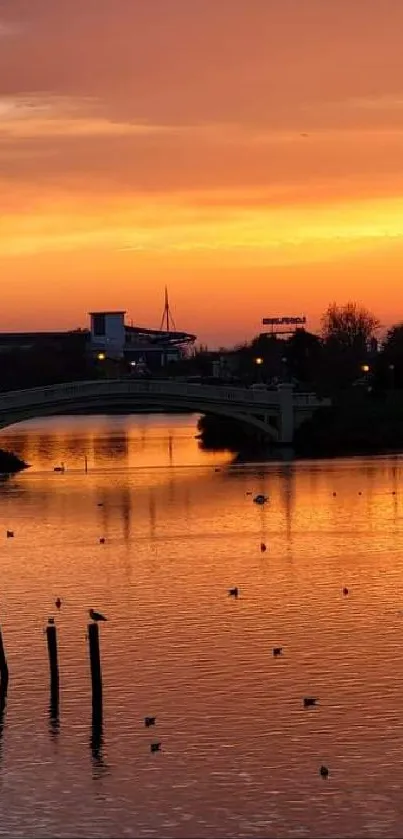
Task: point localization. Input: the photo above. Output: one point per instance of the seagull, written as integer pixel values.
(149, 721)
(58, 603)
(277, 651)
(233, 592)
(324, 771)
(10, 534)
(102, 540)
(263, 547)
(155, 747)
(345, 591)
(96, 616)
(309, 701)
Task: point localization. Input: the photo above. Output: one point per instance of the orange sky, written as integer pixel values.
(247, 153)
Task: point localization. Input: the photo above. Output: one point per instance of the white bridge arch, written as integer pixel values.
(271, 413)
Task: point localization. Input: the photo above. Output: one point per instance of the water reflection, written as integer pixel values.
(240, 756)
(97, 738)
(128, 441)
(54, 720)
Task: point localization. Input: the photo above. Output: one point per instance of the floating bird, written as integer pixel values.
(59, 468)
(217, 470)
(277, 651)
(263, 547)
(233, 592)
(58, 603)
(155, 747)
(260, 499)
(102, 540)
(324, 771)
(249, 493)
(345, 591)
(334, 494)
(309, 701)
(149, 721)
(100, 504)
(10, 534)
(96, 616)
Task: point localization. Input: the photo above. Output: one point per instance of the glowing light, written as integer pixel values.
(259, 361)
(101, 356)
(365, 368)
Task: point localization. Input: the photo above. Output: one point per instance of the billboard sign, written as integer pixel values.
(284, 321)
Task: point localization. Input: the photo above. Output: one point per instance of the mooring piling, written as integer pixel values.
(3, 664)
(51, 637)
(95, 662)
(3, 702)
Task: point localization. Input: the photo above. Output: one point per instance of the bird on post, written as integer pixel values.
(149, 721)
(233, 592)
(96, 616)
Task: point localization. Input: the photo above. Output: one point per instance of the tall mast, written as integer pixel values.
(167, 321)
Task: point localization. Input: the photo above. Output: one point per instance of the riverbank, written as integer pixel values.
(10, 463)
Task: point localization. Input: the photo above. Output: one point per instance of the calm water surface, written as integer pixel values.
(240, 756)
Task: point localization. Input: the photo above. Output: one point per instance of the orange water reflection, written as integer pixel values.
(110, 442)
(240, 756)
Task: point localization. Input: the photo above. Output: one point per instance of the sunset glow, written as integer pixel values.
(247, 153)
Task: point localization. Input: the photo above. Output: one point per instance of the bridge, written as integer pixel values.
(273, 414)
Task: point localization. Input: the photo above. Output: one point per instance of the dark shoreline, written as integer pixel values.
(10, 463)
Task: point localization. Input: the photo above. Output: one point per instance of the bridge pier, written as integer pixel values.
(286, 430)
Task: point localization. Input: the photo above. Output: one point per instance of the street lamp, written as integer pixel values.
(259, 361)
(101, 356)
(365, 368)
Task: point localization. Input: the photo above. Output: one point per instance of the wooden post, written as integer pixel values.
(51, 638)
(3, 664)
(97, 730)
(3, 701)
(86, 464)
(95, 661)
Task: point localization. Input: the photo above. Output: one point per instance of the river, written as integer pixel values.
(240, 755)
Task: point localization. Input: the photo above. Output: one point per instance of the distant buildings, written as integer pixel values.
(111, 337)
(28, 358)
